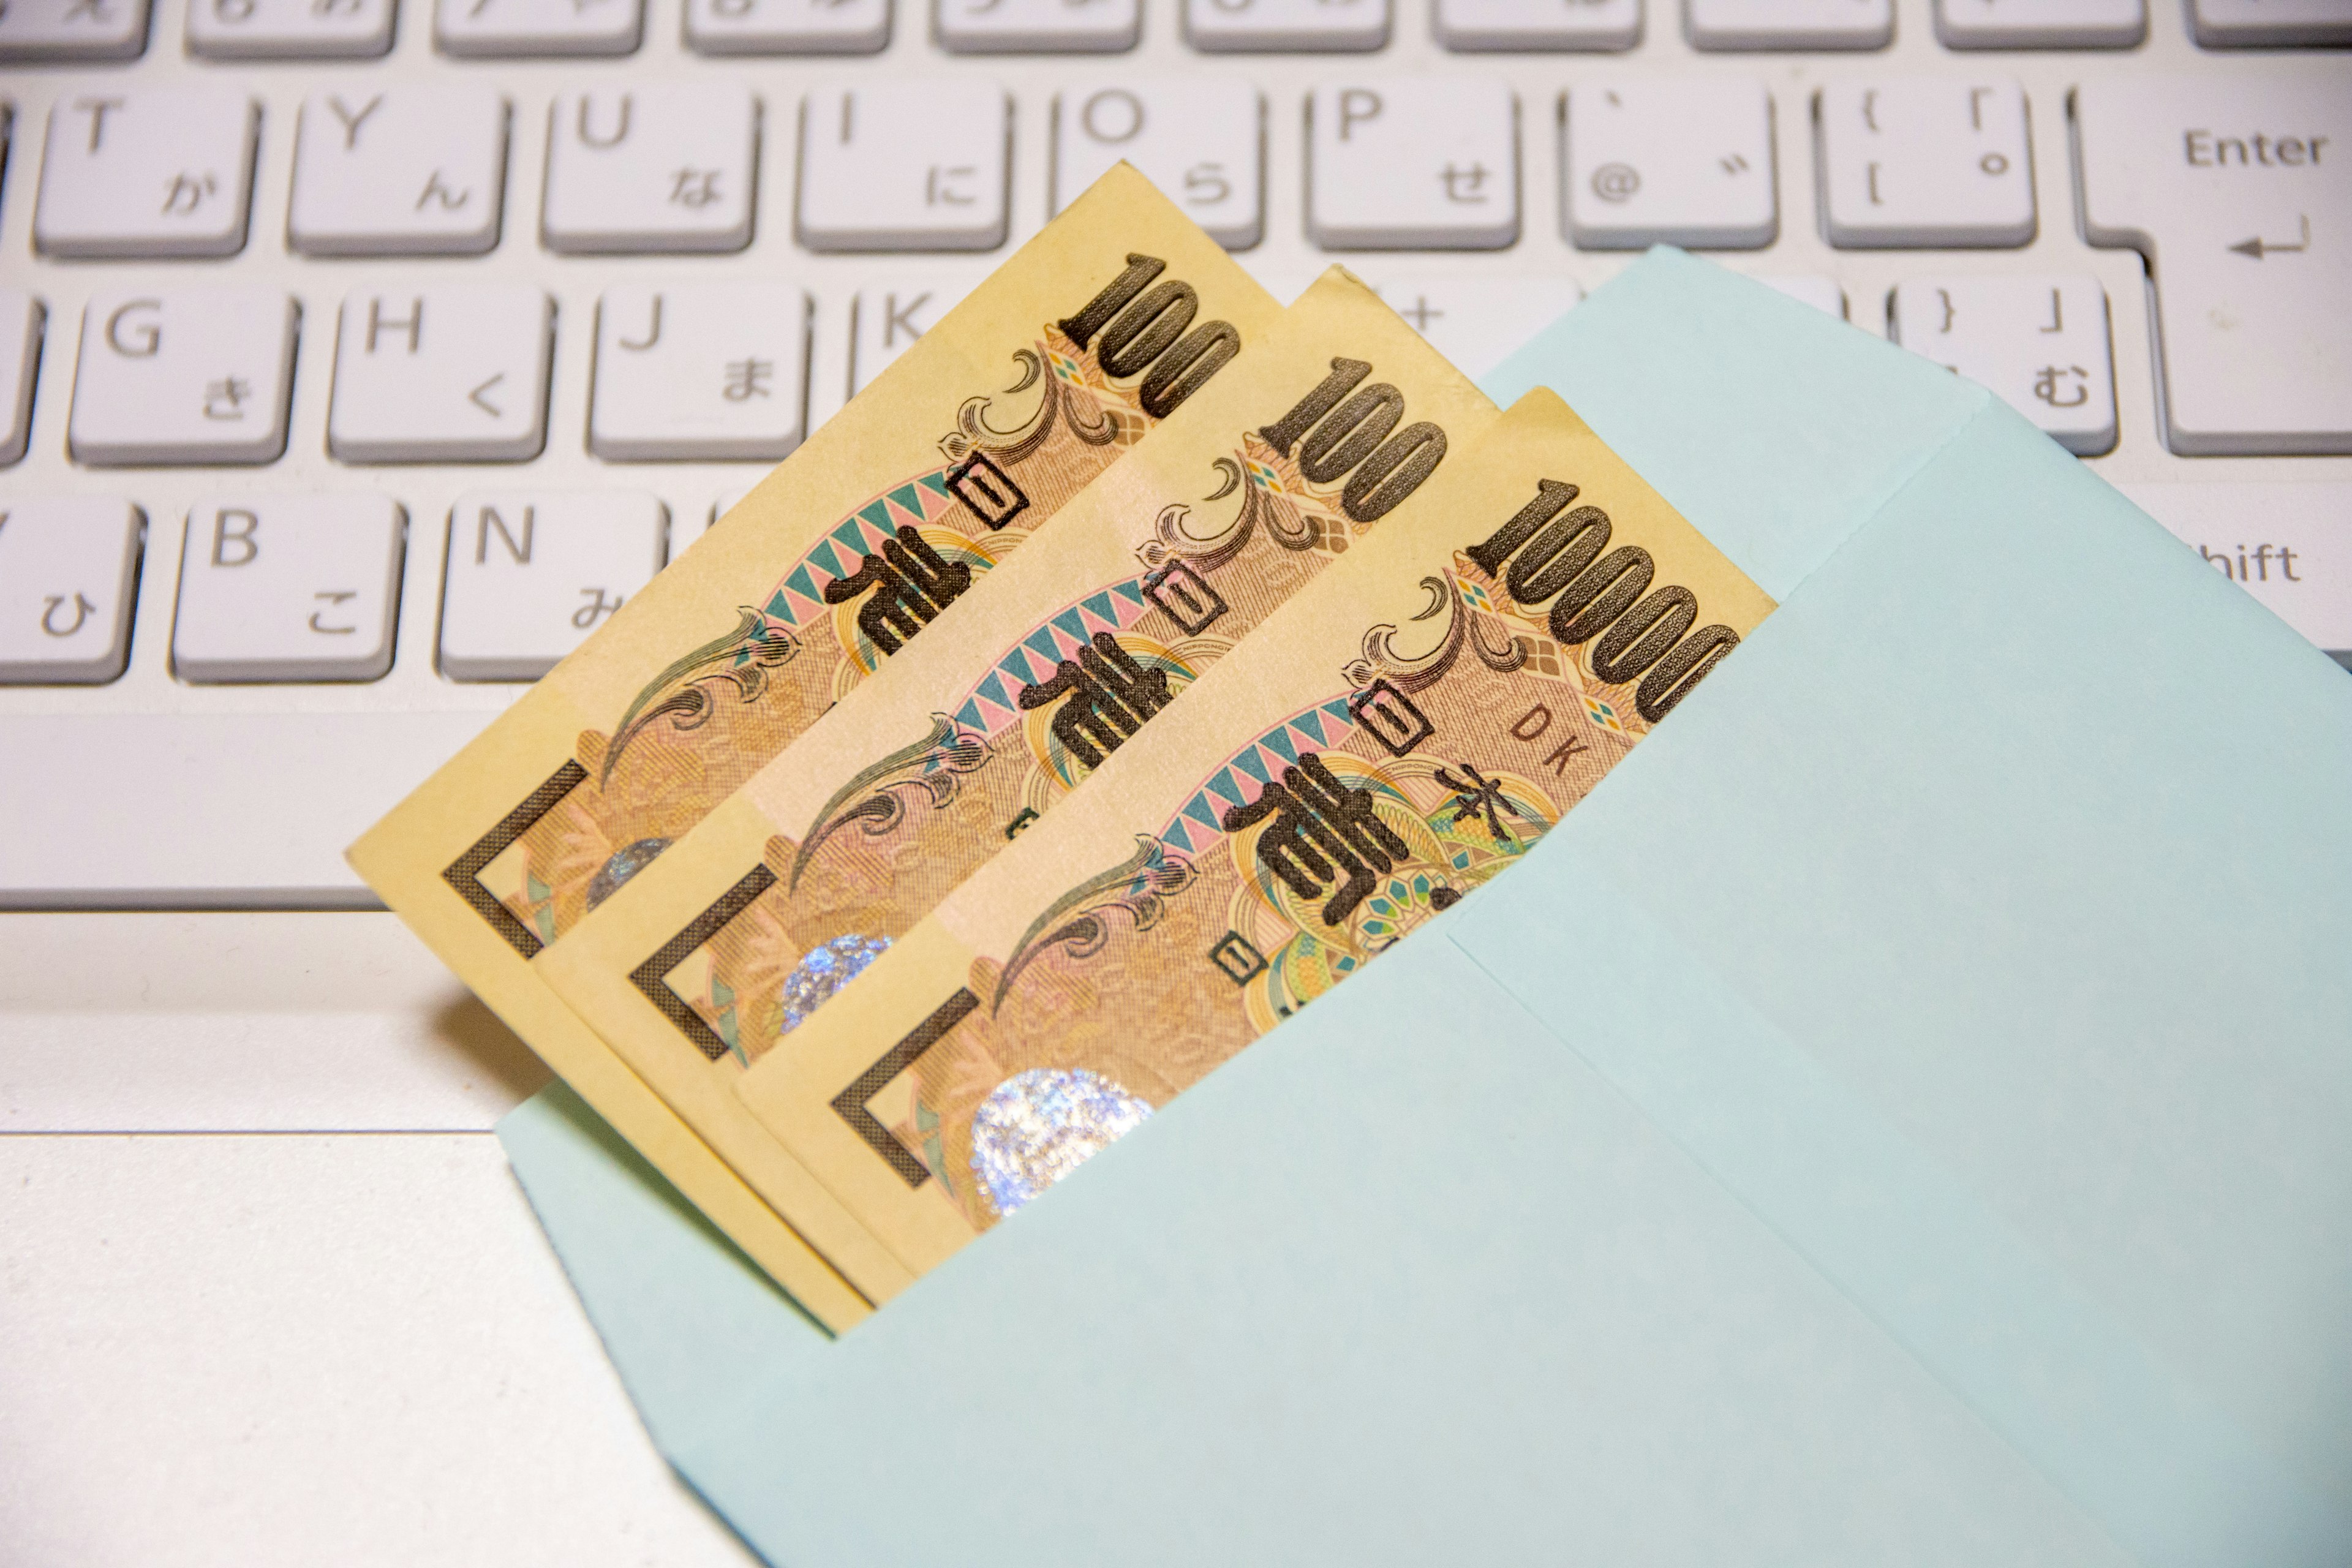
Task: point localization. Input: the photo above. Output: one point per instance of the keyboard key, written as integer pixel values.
(289, 29)
(1317, 27)
(69, 574)
(2040, 342)
(183, 375)
(698, 371)
(2288, 545)
(1477, 321)
(1808, 287)
(2270, 24)
(1201, 139)
(289, 588)
(1419, 162)
(905, 163)
(1671, 161)
(1489, 26)
(43, 30)
(787, 26)
(1925, 161)
(2238, 189)
(651, 169)
(1038, 27)
(886, 320)
(165, 172)
(538, 29)
(453, 374)
(1789, 24)
(22, 319)
(409, 170)
(2043, 24)
(529, 575)
(687, 531)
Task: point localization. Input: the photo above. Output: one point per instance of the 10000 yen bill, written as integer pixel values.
(1400, 731)
(1107, 321)
(1324, 436)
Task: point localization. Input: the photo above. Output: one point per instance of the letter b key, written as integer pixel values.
(289, 588)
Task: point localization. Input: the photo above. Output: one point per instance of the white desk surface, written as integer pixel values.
(269, 1293)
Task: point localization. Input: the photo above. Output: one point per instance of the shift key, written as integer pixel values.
(2289, 545)
(2237, 187)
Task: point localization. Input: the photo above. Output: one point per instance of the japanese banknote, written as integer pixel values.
(1111, 319)
(1326, 434)
(1399, 730)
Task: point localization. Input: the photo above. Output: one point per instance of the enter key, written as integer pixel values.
(2238, 190)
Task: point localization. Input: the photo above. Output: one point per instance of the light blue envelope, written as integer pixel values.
(1903, 1116)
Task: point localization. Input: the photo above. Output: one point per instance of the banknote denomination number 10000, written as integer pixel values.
(1559, 552)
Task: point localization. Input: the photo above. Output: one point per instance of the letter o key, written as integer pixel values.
(1100, 125)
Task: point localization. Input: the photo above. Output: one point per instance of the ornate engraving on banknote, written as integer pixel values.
(698, 729)
(1455, 745)
(1079, 921)
(907, 828)
(878, 798)
(1064, 695)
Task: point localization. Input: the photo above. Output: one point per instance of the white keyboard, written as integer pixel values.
(358, 359)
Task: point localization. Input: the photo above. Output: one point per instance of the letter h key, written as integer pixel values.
(457, 374)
